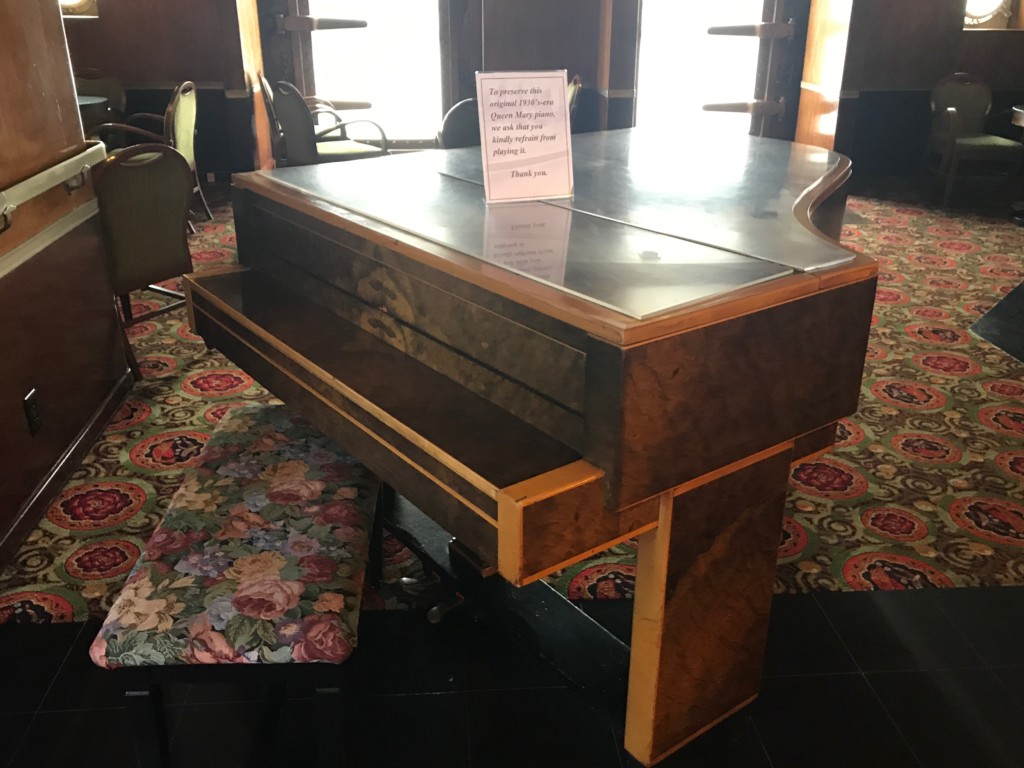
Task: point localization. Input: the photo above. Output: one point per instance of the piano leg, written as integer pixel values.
(703, 598)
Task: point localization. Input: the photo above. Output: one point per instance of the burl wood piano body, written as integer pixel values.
(645, 359)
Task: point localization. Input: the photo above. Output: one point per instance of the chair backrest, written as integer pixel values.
(276, 139)
(586, 111)
(92, 83)
(971, 97)
(180, 122)
(572, 95)
(460, 126)
(144, 193)
(296, 122)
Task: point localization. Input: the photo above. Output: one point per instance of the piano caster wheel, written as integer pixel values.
(436, 614)
(431, 582)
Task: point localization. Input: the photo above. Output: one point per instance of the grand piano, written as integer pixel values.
(646, 359)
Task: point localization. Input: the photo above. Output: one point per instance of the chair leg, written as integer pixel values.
(944, 164)
(375, 565)
(202, 197)
(149, 728)
(129, 353)
(126, 307)
(133, 361)
(950, 178)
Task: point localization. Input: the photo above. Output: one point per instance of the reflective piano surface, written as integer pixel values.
(646, 231)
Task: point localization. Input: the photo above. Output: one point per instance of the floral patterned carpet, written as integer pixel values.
(925, 487)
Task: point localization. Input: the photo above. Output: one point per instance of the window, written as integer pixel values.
(394, 63)
(675, 80)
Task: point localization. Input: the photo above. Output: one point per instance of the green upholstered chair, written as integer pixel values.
(276, 137)
(144, 193)
(179, 130)
(302, 143)
(960, 105)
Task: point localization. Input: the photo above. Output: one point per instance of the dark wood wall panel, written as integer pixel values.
(39, 122)
(146, 43)
(540, 34)
(904, 45)
(995, 55)
(60, 337)
(895, 54)
(152, 47)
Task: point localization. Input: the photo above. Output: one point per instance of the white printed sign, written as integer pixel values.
(524, 135)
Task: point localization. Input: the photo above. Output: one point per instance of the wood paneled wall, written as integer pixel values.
(540, 34)
(907, 45)
(152, 47)
(871, 100)
(39, 122)
(997, 55)
(153, 44)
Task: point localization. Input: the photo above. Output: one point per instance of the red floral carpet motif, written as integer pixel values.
(923, 488)
(73, 564)
(941, 503)
(96, 506)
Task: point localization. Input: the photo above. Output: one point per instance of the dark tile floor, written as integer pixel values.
(924, 679)
(1003, 325)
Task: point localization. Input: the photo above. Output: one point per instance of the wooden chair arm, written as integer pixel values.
(335, 104)
(95, 131)
(341, 125)
(954, 130)
(383, 137)
(147, 115)
(954, 121)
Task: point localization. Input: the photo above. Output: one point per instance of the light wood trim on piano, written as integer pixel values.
(553, 520)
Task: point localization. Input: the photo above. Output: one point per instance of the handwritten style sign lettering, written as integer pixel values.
(524, 135)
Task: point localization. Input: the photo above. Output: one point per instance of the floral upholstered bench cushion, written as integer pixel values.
(260, 556)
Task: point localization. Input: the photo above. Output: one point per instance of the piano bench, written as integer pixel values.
(259, 561)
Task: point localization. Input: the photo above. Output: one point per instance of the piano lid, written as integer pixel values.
(726, 194)
(619, 243)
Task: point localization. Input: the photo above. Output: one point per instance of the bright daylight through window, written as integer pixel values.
(394, 63)
(682, 67)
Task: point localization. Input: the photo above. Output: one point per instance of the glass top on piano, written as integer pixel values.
(649, 229)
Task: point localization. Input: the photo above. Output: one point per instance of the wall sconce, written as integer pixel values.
(81, 9)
